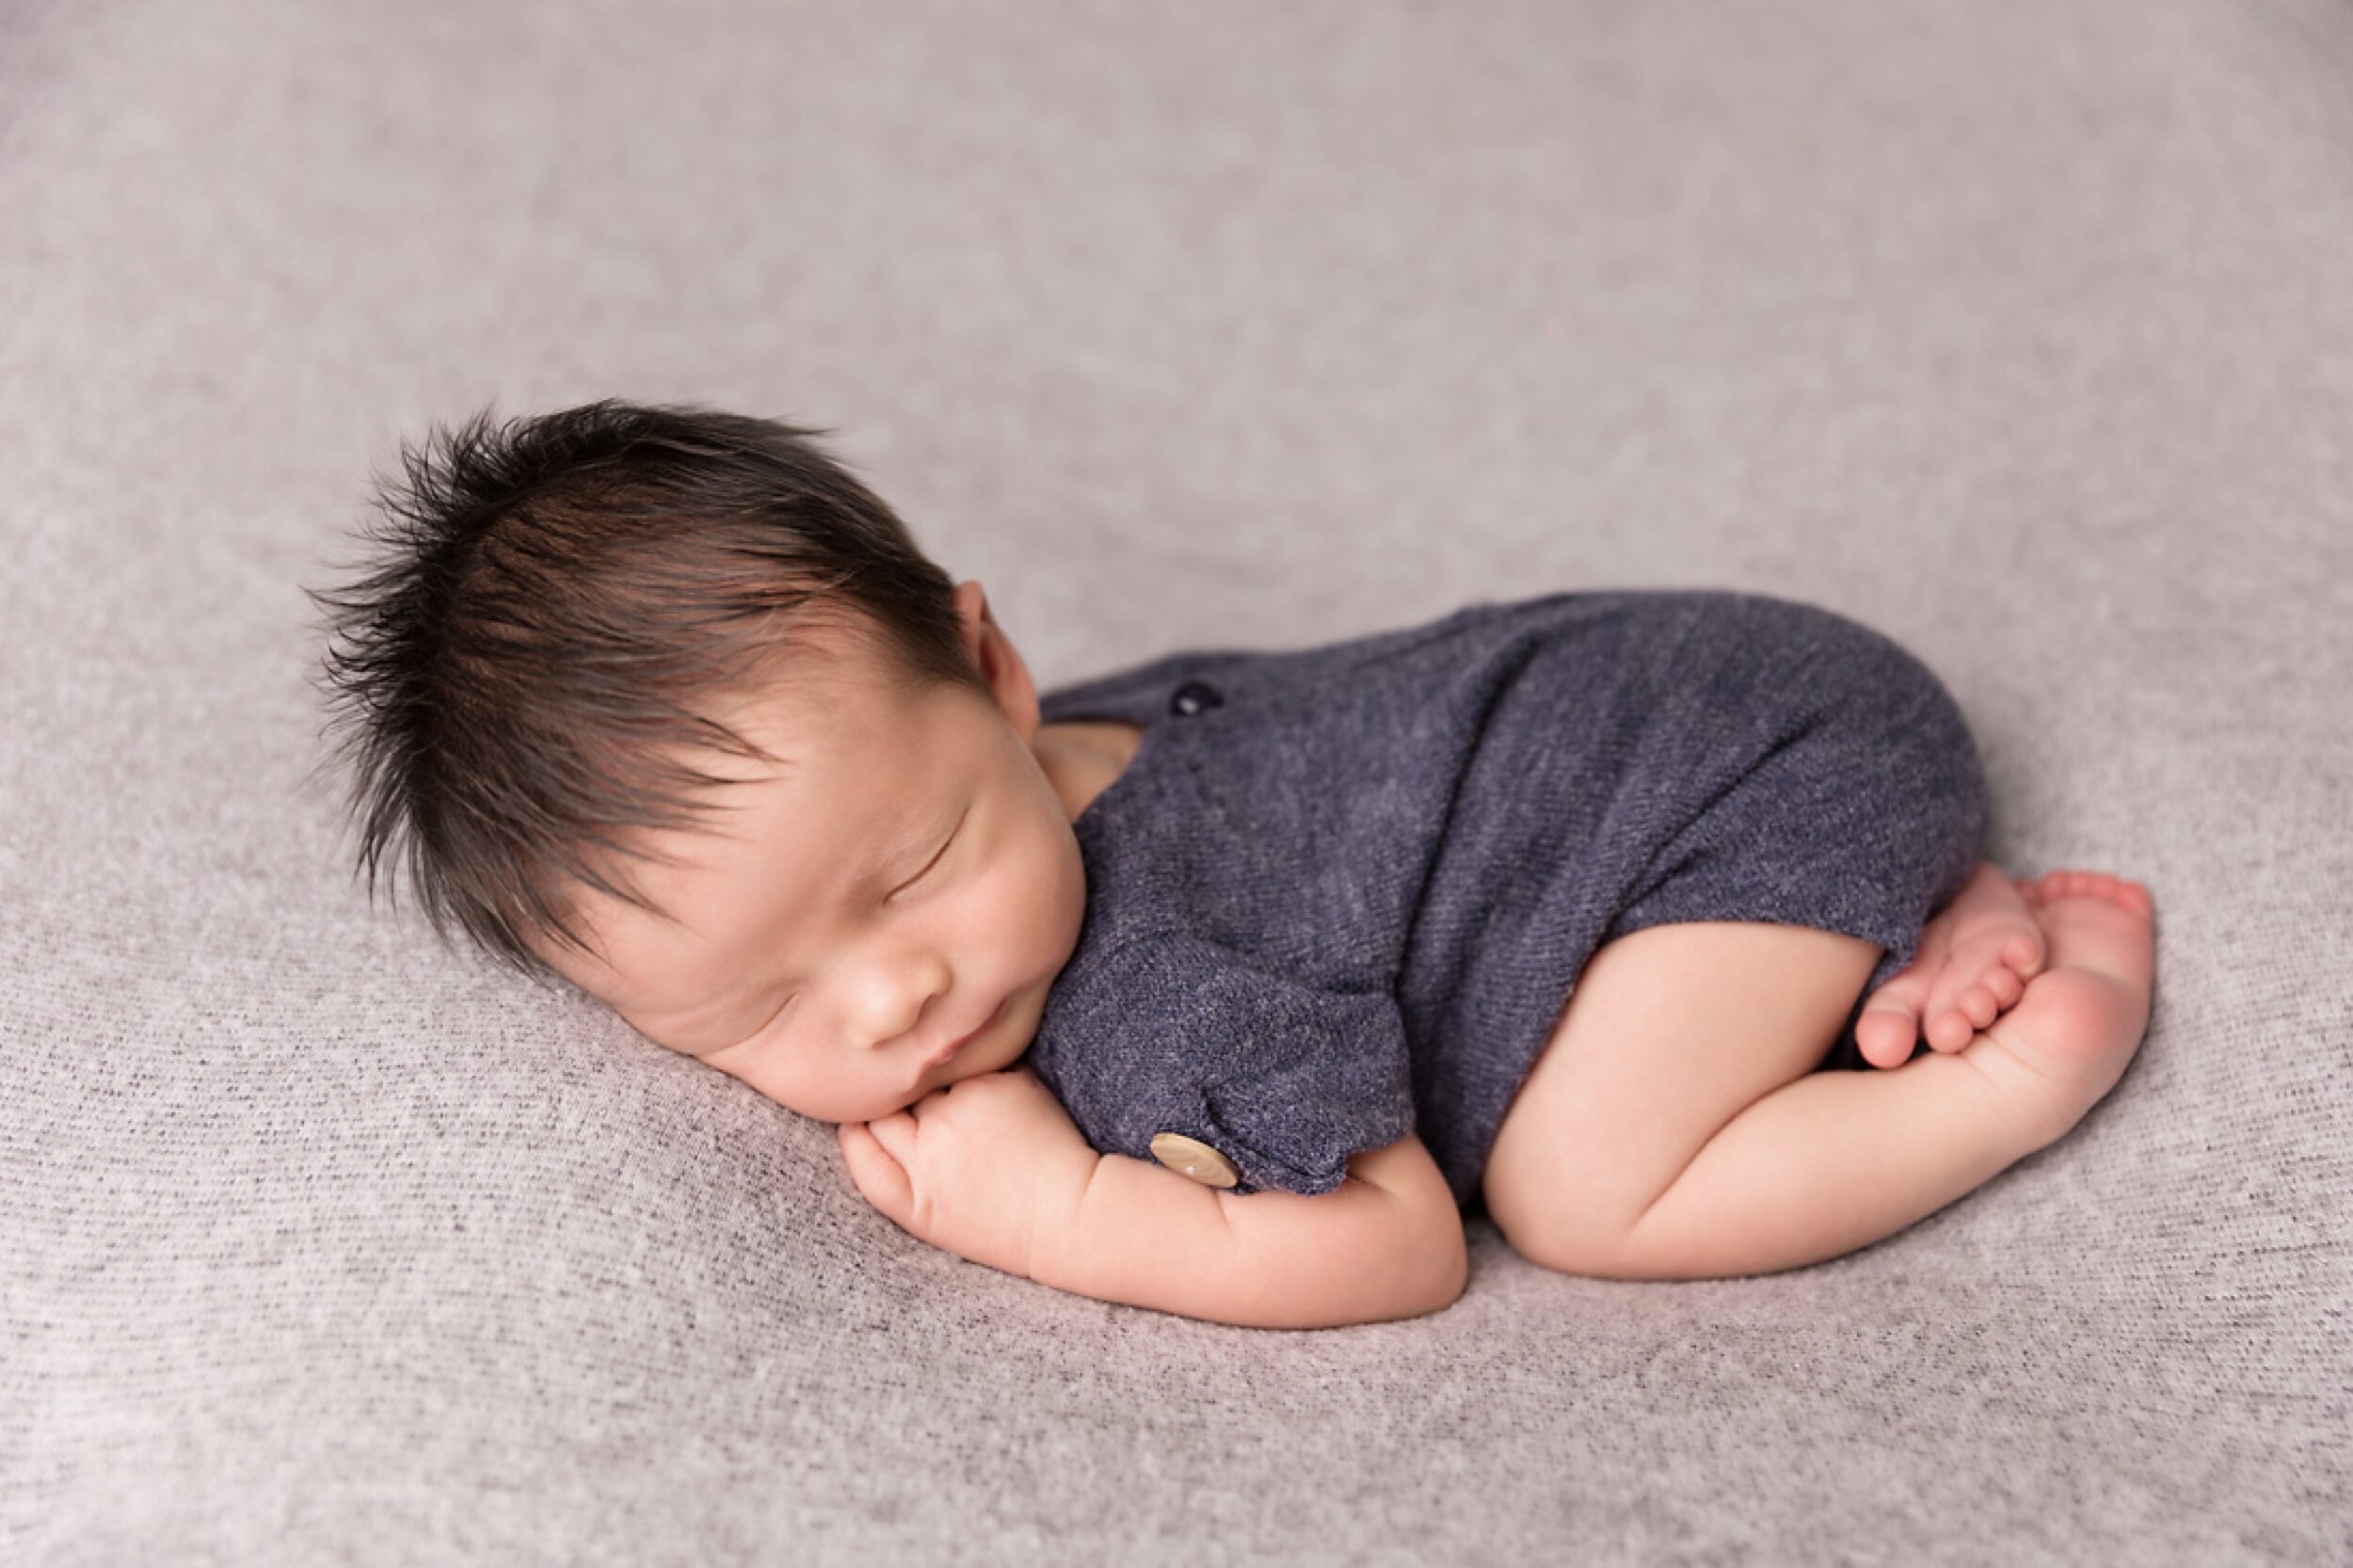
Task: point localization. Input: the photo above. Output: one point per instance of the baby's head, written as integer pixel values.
(666, 704)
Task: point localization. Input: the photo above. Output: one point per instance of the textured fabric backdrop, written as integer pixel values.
(2018, 332)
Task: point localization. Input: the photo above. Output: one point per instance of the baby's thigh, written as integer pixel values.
(1670, 1033)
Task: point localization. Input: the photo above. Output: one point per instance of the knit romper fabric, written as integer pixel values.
(1341, 894)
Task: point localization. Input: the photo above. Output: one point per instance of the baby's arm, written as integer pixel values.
(1386, 1243)
(992, 1169)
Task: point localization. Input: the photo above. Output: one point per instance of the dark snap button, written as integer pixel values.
(1193, 696)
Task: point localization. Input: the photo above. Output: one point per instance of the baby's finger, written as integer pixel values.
(879, 1176)
(896, 1133)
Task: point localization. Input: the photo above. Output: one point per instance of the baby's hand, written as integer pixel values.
(979, 1167)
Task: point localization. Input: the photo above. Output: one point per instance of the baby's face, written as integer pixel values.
(879, 918)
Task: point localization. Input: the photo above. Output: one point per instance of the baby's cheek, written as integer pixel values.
(825, 1103)
(1056, 903)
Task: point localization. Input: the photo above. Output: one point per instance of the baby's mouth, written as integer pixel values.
(947, 1053)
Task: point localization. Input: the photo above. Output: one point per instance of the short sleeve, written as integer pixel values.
(1173, 1034)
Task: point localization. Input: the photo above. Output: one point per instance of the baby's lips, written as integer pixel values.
(943, 1057)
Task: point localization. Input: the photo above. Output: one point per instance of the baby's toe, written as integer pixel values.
(2023, 954)
(2122, 891)
(1953, 1026)
(1882, 1032)
(1949, 1031)
(1885, 1034)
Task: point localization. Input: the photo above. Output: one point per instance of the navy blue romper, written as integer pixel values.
(1341, 894)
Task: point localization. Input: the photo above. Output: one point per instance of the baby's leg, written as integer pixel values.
(1672, 1129)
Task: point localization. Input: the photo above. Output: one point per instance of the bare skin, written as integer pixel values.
(1674, 1127)
(1976, 956)
(2082, 1019)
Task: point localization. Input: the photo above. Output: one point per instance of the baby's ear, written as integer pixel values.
(977, 620)
(998, 661)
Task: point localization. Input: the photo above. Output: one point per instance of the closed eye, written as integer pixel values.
(932, 863)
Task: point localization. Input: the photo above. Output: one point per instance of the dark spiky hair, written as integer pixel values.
(554, 605)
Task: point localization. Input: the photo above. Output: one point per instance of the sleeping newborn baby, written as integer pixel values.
(1655, 923)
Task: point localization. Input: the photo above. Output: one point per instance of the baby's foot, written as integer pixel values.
(2070, 1039)
(1976, 956)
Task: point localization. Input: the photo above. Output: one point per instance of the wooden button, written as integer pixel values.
(1192, 1157)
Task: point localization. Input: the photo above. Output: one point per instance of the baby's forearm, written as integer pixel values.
(1366, 1252)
